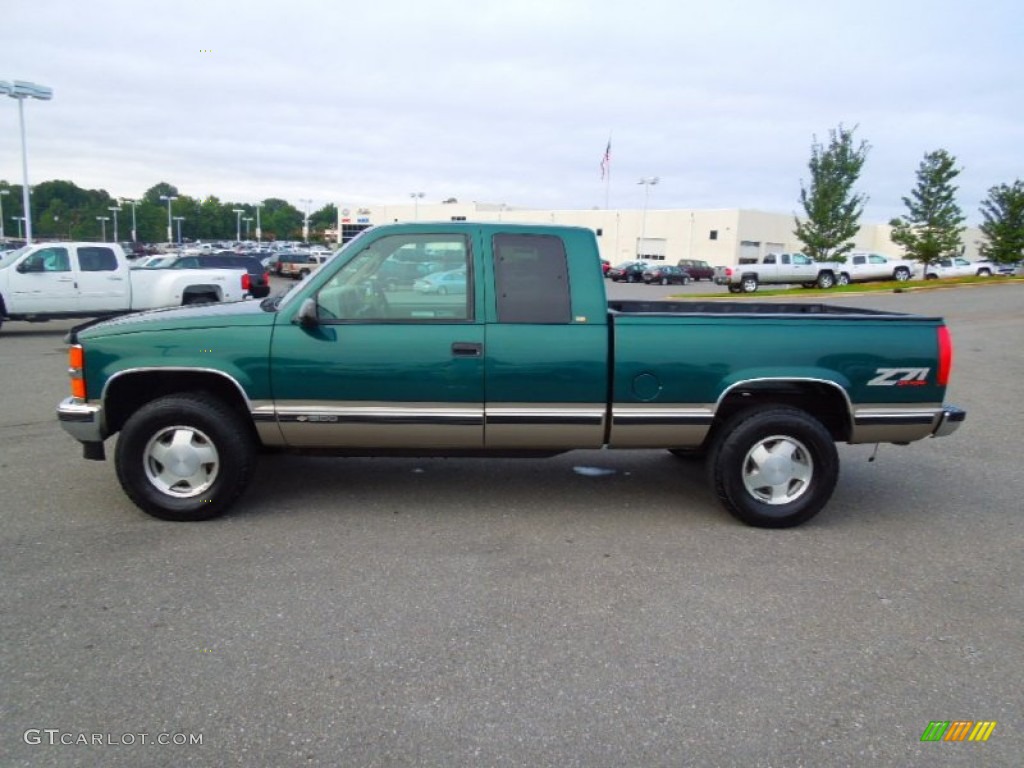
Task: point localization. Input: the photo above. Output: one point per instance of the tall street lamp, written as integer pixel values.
(238, 223)
(22, 90)
(170, 230)
(647, 182)
(179, 219)
(305, 220)
(416, 197)
(114, 209)
(259, 232)
(2, 193)
(18, 219)
(247, 219)
(103, 224)
(132, 203)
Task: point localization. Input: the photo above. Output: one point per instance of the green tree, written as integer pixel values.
(931, 228)
(832, 211)
(1003, 223)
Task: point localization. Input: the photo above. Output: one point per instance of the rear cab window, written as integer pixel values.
(531, 278)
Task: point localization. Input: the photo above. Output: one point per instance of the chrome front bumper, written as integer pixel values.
(83, 421)
(949, 421)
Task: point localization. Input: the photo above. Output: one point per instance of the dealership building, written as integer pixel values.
(718, 236)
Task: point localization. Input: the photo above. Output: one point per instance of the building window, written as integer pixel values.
(713, 235)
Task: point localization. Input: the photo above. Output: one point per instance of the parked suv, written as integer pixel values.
(697, 269)
(258, 283)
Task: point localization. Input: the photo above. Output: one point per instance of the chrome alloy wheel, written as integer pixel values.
(778, 470)
(181, 461)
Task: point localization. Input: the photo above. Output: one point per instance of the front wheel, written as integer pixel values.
(734, 289)
(184, 457)
(843, 279)
(773, 467)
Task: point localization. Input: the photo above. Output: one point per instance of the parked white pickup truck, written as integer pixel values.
(777, 269)
(53, 280)
(861, 267)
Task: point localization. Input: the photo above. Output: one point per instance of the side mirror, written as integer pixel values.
(30, 265)
(307, 316)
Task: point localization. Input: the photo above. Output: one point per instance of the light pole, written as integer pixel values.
(416, 197)
(170, 230)
(132, 203)
(647, 182)
(238, 224)
(103, 223)
(3, 192)
(305, 220)
(247, 219)
(22, 90)
(114, 210)
(18, 219)
(179, 219)
(259, 232)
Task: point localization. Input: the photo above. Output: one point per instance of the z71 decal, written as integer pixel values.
(900, 377)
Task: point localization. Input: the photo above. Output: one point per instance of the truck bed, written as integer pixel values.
(691, 308)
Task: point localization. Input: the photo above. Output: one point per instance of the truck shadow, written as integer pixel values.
(650, 484)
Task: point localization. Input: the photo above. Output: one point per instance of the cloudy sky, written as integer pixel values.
(514, 101)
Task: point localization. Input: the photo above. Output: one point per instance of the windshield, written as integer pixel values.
(8, 258)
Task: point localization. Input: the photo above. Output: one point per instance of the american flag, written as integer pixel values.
(606, 160)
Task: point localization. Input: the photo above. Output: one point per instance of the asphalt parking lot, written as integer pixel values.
(401, 612)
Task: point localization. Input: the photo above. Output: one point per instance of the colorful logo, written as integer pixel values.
(958, 730)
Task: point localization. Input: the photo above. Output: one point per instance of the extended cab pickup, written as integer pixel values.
(52, 280)
(777, 269)
(522, 355)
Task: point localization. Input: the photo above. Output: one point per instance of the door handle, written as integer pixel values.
(467, 349)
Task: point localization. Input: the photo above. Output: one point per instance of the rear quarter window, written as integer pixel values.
(532, 278)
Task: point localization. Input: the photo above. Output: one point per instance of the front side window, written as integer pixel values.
(876, 259)
(413, 278)
(52, 259)
(799, 258)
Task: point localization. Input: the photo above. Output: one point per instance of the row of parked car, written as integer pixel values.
(682, 273)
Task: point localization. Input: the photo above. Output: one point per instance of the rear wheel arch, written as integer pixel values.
(824, 400)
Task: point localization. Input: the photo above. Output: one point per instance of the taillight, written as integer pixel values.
(76, 370)
(728, 272)
(246, 281)
(945, 355)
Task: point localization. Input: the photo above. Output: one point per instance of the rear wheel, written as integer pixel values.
(773, 467)
(184, 457)
(902, 274)
(748, 284)
(984, 272)
(826, 280)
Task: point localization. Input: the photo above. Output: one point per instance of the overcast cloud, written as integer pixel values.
(511, 101)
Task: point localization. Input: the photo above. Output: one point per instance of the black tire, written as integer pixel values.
(825, 280)
(748, 284)
(201, 434)
(780, 444)
(735, 288)
(843, 279)
(198, 298)
(984, 272)
(901, 274)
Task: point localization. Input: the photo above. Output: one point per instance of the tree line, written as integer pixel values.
(62, 210)
(931, 228)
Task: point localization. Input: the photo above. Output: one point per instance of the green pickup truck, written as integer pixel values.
(501, 342)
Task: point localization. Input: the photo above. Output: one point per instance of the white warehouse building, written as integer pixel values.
(719, 237)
